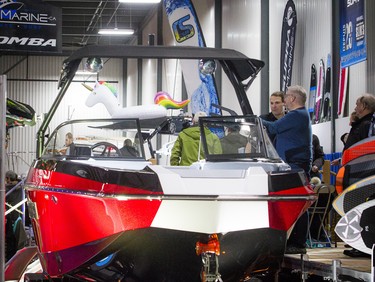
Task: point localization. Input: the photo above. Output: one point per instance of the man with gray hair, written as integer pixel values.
(360, 128)
(293, 131)
(293, 143)
(364, 110)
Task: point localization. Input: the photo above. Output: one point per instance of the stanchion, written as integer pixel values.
(3, 97)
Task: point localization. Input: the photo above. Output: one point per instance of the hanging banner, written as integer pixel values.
(186, 30)
(30, 25)
(288, 39)
(352, 32)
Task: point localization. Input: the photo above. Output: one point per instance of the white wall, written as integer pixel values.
(206, 14)
(241, 31)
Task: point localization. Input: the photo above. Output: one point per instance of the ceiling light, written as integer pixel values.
(116, 31)
(139, 1)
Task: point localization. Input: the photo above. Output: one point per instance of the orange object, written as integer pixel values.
(212, 246)
(366, 146)
(340, 180)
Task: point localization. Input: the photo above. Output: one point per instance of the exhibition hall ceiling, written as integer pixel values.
(81, 21)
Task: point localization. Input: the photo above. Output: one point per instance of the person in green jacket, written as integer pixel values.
(186, 148)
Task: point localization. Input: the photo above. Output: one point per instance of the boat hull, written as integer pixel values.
(154, 254)
(81, 214)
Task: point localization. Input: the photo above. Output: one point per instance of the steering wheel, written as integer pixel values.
(108, 148)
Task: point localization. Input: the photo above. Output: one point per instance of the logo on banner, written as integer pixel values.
(30, 26)
(352, 30)
(181, 30)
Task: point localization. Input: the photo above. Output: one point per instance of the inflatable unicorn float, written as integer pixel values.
(106, 94)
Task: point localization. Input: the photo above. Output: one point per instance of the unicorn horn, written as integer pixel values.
(87, 87)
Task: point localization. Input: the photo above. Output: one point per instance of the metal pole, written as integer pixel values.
(335, 69)
(373, 263)
(3, 97)
(265, 56)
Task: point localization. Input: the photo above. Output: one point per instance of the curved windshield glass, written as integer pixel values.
(240, 137)
(97, 139)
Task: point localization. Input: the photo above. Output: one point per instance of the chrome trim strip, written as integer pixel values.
(125, 197)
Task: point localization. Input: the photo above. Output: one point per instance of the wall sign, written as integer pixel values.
(29, 25)
(352, 32)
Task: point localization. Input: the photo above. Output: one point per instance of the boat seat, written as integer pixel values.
(318, 234)
(82, 151)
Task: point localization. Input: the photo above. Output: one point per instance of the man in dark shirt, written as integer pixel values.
(277, 105)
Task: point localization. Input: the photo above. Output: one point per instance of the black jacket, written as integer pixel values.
(318, 155)
(359, 131)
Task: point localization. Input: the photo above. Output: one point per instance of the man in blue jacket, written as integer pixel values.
(293, 131)
(294, 145)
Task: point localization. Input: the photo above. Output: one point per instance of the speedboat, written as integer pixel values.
(100, 215)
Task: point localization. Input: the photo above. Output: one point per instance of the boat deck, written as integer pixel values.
(330, 264)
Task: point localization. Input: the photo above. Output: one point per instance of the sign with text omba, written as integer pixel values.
(30, 25)
(352, 32)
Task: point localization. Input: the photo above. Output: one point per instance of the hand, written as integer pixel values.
(336, 162)
(315, 168)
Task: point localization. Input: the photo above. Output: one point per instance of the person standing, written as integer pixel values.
(277, 105)
(364, 110)
(187, 148)
(344, 137)
(294, 146)
(318, 157)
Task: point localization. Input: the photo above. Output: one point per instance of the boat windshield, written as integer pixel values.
(97, 139)
(239, 137)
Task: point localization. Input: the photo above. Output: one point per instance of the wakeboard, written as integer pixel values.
(354, 195)
(363, 147)
(343, 89)
(354, 171)
(319, 91)
(357, 227)
(325, 114)
(312, 93)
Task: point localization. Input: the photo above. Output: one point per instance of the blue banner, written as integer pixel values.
(352, 32)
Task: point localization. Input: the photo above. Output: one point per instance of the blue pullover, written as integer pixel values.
(293, 138)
